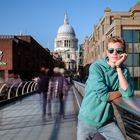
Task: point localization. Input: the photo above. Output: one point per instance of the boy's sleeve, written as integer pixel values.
(96, 83)
(130, 90)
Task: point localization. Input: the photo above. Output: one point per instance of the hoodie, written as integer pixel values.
(95, 109)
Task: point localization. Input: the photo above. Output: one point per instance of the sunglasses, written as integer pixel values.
(118, 50)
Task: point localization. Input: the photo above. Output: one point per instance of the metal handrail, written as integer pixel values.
(18, 88)
(36, 86)
(9, 92)
(22, 85)
(131, 104)
(29, 86)
(32, 86)
(4, 85)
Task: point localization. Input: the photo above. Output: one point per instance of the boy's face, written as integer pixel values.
(114, 51)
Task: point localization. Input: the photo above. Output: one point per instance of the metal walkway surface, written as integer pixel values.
(22, 120)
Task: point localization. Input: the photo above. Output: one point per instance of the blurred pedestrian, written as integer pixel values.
(57, 93)
(13, 80)
(43, 88)
(17, 80)
(63, 94)
(10, 81)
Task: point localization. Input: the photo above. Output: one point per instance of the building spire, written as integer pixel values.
(66, 21)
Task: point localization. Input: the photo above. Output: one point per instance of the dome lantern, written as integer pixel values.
(66, 20)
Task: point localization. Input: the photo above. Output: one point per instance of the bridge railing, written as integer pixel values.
(127, 112)
(23, 88)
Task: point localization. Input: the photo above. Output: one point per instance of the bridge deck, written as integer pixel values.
(22, 120)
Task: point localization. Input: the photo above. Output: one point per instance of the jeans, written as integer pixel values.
(110, 131)
(44, 102)
(61, 106)
(56, 106)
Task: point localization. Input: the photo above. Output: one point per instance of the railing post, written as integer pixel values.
(24, 87)
(2, 88)
(18, 88)
(29, 86)
(9, 92)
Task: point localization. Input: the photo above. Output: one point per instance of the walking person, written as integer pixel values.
(57, 94)
(108, 79)
(43, 88)
(63, 94)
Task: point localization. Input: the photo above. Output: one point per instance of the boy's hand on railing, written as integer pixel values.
(114, 95)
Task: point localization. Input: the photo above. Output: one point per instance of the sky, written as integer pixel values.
(42, 18)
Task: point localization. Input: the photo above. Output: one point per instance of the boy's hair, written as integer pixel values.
(115, 39)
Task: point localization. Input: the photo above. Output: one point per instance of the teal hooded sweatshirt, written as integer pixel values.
(95, 109)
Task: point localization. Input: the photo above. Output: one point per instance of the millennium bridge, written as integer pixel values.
(21, 114)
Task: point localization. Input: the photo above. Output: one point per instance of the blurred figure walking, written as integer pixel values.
(63, 94)
(43, 88)
(57, 92)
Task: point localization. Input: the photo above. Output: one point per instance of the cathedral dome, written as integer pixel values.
(66, 28)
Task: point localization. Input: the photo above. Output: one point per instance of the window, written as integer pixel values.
(127, 36)
(68, 56)
(111, 19)
(103, 29)
(137, 83)
(67, 43)
(1, 75)
(136, 36)
(133, 60)
(131, 36)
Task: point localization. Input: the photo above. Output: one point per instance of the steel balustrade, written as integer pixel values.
(9, 92)
(18, 88)
(24, 87)
(31, 86)
(1, 89)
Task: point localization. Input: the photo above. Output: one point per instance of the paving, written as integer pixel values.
(23, 120)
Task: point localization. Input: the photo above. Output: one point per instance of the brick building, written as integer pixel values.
(22, 55)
